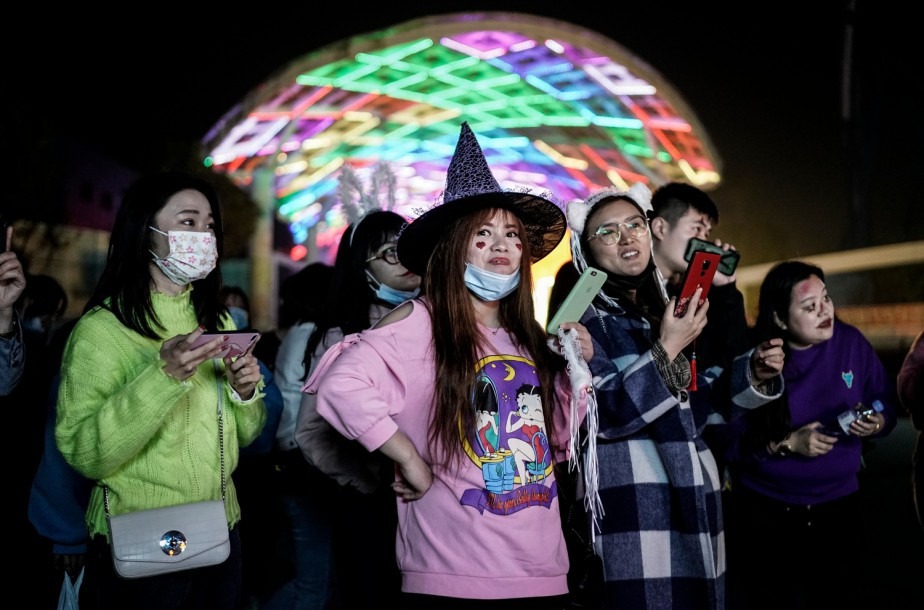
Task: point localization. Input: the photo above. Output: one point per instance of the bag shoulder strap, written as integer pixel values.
(221, 439)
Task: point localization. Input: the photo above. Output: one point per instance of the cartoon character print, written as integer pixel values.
(530, 456)
(485, 402)
(515, 459)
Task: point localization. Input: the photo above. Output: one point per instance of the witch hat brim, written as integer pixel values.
(470, 186)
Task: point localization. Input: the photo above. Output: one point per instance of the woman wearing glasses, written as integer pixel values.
(660, 528)
(349, 505)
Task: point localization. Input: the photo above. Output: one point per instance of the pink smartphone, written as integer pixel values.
(699, 272)
(237, 343)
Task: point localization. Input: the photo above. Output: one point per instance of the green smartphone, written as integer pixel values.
(728, 262)
(578, 300)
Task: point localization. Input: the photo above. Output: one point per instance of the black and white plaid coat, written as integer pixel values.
(661, 537)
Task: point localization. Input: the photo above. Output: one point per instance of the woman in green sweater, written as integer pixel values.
(138, 405)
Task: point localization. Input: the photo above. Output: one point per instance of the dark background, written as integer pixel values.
(811, 106)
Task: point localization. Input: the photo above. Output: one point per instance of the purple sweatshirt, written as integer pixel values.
(823, 381)
(489, 529)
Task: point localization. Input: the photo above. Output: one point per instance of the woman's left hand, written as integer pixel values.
(243, 374)
(868, 427)
(583, 337)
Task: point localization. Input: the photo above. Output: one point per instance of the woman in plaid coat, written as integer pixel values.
(656, 502)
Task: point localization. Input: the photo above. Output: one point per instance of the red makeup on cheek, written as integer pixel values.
(480, 245)
(520, 247)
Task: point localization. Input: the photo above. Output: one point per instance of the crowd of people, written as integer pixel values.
(409, 434)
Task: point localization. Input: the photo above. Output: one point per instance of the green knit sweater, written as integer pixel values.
(151, 439)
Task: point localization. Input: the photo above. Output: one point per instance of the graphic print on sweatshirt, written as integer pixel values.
(510, 443)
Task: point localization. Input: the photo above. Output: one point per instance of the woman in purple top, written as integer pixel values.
(795, 526)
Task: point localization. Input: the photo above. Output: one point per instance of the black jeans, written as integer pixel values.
(793, 556)
(215, 587)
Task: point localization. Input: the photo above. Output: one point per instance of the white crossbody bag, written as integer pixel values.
(172, 538)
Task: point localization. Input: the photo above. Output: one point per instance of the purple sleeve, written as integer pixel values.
(911, 382)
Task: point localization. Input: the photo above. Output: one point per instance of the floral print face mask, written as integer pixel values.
(193, 255)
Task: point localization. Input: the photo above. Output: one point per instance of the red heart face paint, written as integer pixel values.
(520, 247)
(480, 245)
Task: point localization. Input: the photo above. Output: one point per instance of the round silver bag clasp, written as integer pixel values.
(173, 543)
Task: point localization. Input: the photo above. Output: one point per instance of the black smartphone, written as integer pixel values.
(3, 225)
(727, 264)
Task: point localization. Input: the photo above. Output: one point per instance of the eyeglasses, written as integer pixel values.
(609, 233)
(389, 255)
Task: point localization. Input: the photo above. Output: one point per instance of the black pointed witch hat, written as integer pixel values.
(470, 186)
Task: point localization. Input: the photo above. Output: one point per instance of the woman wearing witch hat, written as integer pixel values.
(476, 521)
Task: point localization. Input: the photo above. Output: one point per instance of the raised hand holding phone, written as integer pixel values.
(729, 256)
(12, 280)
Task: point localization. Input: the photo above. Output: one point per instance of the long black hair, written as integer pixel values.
(124, 287)
(350, 297)
(302, 294)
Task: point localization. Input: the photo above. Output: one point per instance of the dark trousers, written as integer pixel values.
(794, 556)
(215, 587)
(413, 601)
(917, 474)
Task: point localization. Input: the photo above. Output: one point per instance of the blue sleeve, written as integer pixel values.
(630, 390)
(273, 402)
(12, 360)
(59, 496)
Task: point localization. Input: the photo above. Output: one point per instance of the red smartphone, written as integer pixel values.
(699, 272)
(237, 343)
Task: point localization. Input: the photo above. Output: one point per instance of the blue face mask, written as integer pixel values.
(390, 295)
(33, 324)
(489, 286)
(240, 316)
(395, 297)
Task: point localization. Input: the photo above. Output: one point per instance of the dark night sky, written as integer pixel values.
(765, 83)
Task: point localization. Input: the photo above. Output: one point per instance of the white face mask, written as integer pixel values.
(193, 255)
(490, 286)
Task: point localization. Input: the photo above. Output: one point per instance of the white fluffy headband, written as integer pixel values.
(578, 209)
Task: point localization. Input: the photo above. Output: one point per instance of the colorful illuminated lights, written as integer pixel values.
(555, 108)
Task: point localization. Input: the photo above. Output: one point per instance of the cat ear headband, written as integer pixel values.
(578, 210)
